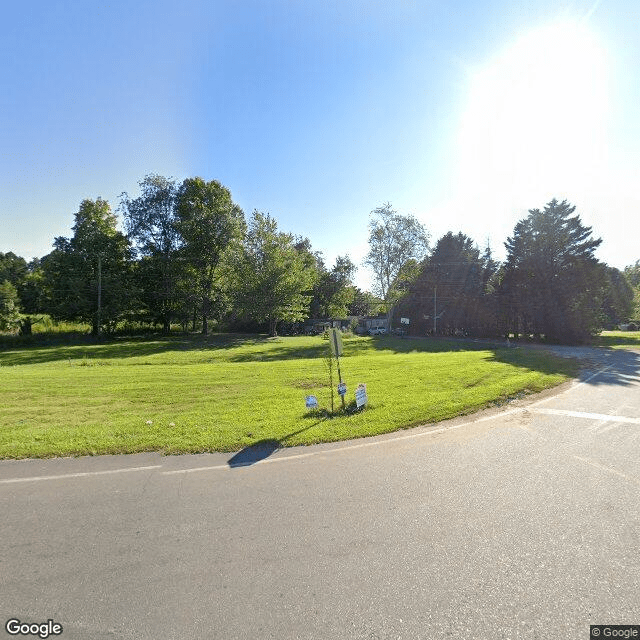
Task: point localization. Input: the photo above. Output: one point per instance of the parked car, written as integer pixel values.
(377, 331)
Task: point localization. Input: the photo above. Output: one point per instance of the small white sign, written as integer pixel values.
(361, 395)
(342, 389)
(312, 402)
(404, 320)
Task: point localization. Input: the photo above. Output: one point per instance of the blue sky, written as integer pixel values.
(465, 114)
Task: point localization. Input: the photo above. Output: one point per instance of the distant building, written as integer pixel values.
(313, 326)
(366, 323)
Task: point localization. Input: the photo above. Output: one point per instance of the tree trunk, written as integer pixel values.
(25, 326)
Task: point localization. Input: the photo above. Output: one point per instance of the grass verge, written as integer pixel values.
(190, 394)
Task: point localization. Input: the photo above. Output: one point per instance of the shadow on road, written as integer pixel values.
(619, 366)
(262, 449)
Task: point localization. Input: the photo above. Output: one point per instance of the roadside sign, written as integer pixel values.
(404, 320)
(335, 341)
(342, 389)
(311, 402)
(361, 395)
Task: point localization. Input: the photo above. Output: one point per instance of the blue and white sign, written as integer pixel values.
(361, 395)
(311, 402)
(342, 389)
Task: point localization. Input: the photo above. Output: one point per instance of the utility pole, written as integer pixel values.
(435, 311)
(99, 291)
(435, 317)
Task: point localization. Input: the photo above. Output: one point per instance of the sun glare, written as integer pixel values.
(536, 116)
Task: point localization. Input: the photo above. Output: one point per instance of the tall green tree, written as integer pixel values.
(12, 268)
(364, 303)
(32, 290)
(618, 299)
(632, 274)
(26, 278)
(332, 293)
(9, 307)
(394, 239)
(275, 278)
(151, 224)
(451, 287)
(553, 283)
(211, 226)
(87, 276)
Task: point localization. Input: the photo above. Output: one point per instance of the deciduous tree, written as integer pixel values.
(332, 293)
(211, 226)
(87, 276)
(9, 307)
(150, 221)
(394, 239)
(274, 275)
(12, 268)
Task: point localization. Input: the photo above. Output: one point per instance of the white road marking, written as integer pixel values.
(588, 416)
(573, 387)
(359, 445)
(602, 467)
(78, 475)
(628, 377)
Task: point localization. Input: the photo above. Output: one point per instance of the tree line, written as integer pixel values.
(188, 255)
(550, 286)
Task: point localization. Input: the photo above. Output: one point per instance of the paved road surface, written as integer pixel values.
(523, 522)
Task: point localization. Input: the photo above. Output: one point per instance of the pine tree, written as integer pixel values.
(553, 284)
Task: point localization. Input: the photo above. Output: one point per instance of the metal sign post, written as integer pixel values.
(335, 340)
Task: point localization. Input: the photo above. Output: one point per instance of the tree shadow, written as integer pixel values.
(262, 449)
(87, 348)
(618, 366)
(621, 364)
(596, 366)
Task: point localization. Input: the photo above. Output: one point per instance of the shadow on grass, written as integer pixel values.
(618, 366)
(82, 347)
(262, 449)
(621, 364)
(87, 347)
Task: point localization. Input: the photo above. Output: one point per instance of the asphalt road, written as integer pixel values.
(520, 522)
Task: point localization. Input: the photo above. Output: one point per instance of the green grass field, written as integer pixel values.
(193, 394)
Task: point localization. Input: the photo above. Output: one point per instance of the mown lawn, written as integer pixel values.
(193, 394)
